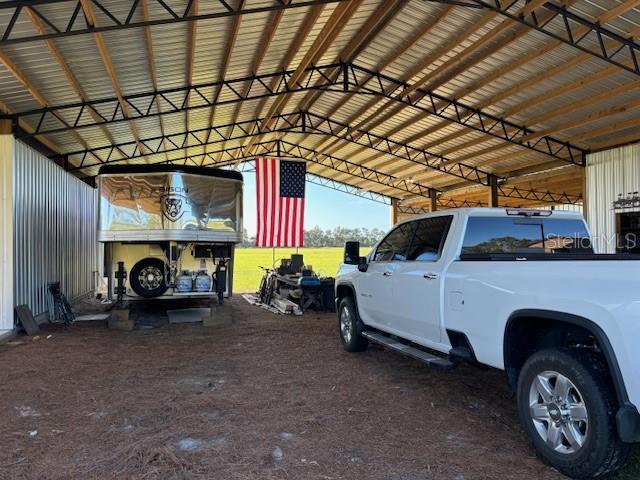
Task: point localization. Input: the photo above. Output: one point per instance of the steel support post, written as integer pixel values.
(7, 145)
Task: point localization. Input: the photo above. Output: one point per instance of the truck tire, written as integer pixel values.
(350, 326)
(567, 405)
(147, 278)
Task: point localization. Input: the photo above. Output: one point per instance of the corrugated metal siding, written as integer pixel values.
(55, 218)
(610, 173)
(563, 207)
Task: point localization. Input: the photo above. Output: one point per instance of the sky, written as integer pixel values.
(324, 207)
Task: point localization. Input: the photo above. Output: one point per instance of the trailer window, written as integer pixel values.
(523, 235)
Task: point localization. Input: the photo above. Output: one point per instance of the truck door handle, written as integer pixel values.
(430, 276)
(387, 274)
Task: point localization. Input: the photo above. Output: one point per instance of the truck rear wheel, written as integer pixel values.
(567, 405)
(350, 326)
(147, 278)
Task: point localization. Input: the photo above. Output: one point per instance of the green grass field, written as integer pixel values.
(247, 275)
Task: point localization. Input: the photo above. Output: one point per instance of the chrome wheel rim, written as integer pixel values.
(150, 278)
(558, 412)
(346, 325)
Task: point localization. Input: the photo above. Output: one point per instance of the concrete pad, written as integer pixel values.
(90, 318)
(120, 320)
(219, 316)
(187, 315)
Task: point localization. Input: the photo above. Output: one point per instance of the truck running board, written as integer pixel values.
(413, 352)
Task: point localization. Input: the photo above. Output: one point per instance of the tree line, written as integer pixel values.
(335, 237)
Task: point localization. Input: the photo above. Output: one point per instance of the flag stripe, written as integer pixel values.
(280, 202)
(258, 200)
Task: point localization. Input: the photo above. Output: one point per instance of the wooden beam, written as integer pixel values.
(336, 22)
(359, 41)
(522, 86)
(618, 10)
(592, 117)
(394, 211)
(607, 130)
(515, 35)
(27, 127)
(98, 38)
(71, 78)
(333, 145)
(492, 199)
(466, 52)
(443, 49)
(6, 128)
(298, 40)
(410, 42)
(192, 32)
(226, 56)
(572, 106)
(516, 89)
(433, 201)
(268, 33)
(151, 60)
(38, 97)
(615, 141)
(302, 33)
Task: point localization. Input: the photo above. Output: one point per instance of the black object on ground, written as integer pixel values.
(328, 293)
(59, 308)
(26, 319)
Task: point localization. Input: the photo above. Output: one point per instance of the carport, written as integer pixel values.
(419, 104)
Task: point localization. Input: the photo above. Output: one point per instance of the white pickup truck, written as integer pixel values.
(521, 291)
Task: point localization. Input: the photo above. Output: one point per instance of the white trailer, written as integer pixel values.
(169, 231)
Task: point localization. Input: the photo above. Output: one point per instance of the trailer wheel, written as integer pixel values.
(147, 278)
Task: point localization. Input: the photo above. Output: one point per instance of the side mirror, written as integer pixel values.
(363, 266)
(351, 253)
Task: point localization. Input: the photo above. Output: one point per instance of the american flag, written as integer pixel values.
(280, 193)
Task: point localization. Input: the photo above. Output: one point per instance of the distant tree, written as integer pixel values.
(317, 237)
(247, 241)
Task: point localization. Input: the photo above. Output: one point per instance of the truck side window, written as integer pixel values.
(395, 245)
(518, 235)
(429, 238)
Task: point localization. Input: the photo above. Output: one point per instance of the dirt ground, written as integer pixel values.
(267, 397)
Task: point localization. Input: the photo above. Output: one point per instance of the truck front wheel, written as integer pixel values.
(567, 405)
(350, 326)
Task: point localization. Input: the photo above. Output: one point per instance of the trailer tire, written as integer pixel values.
(147, 278)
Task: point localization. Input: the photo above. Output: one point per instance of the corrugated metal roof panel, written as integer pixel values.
(453, 73)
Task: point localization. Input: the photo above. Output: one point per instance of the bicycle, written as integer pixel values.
(267, 286)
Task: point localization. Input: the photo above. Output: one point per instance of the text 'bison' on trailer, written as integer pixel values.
(173, 229)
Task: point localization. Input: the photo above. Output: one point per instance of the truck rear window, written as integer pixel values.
(525, 235)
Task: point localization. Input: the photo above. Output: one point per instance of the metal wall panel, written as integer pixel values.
(609, 174)
(564, 207)
(55, 230)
